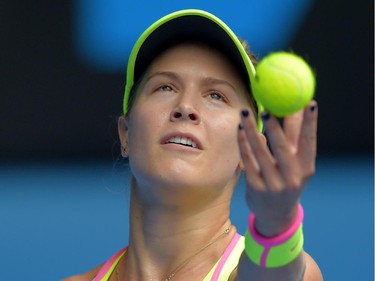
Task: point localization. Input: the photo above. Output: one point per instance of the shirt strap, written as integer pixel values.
(229, 260)
(107, 269)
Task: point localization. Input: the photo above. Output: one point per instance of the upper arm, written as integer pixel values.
(312, 272)
(87, 276)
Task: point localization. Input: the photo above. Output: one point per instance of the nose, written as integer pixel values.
(185, 111)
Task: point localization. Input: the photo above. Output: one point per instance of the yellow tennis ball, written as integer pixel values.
(284, 83)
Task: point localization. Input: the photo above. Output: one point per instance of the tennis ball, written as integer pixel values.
(284, 83)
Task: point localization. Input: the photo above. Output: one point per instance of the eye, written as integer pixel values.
(165, 88)
(217, 96)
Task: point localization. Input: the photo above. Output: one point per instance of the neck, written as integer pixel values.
(164, 237)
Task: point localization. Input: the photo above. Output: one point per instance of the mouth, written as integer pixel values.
(182, 141)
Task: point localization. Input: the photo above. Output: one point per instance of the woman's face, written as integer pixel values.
(182, 129)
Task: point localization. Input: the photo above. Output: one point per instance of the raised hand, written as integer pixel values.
(276, 175)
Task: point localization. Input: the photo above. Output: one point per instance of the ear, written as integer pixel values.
(241, 165)
(122, 127)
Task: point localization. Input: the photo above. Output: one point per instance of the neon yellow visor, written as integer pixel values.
(185, 25)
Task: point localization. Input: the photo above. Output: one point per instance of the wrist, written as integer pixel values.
(275, 251)
(273, 224)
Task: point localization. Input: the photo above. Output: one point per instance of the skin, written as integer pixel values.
(180, 196)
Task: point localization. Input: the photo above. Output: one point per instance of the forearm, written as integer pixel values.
(302, 268)
(275, 251)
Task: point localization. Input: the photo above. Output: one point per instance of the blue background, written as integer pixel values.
(64, 196)
(105, 31)
(63, 67)
(58, 219)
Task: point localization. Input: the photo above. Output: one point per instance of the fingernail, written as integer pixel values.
(240, 126)
(265, 116)
(245, 113)
(313, 107)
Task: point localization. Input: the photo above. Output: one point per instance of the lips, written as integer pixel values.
(182, 139)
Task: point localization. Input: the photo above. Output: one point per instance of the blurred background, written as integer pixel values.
(63, 191)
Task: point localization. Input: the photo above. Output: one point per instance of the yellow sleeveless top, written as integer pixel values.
(221, 271)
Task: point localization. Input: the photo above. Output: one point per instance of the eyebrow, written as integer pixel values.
(216, 81)
(168, 74)
(175, 76)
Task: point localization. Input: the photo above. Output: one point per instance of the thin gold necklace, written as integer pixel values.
(179, 267)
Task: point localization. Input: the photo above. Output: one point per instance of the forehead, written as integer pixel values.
(200, 56)
(178, 55)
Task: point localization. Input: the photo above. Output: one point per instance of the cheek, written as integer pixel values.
(144, 131)
(225, 135)
(139, 139)
(231, 152)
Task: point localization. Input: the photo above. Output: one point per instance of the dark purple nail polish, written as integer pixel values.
(265, 116)
(245, 113)
(240, 126)
(313, 108)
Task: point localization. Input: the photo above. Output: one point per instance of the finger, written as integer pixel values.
(292, 128)
(260, 150)
(252, 170)
(308, 138)
(281, 148)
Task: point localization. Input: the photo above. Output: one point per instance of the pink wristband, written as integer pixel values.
(278, 250)
(282, 237)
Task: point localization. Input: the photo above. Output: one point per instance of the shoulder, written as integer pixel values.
(312, 269)
(87, 276)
